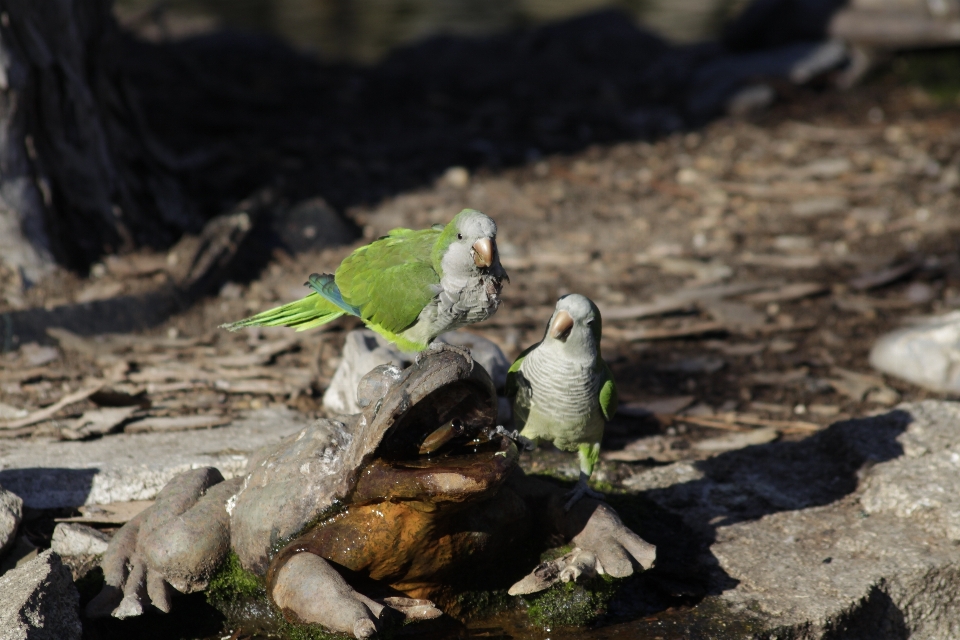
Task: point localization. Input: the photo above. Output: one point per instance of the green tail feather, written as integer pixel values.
(303, 314)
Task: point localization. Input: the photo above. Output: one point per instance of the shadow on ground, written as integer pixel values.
(739, 486)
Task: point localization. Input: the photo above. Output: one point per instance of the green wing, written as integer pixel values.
(514, 371)
(391, 279)
(518, 390)
(608, 392)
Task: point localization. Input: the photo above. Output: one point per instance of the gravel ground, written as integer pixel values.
(744, 271)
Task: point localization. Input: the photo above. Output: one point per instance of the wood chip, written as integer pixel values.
(667, 333)
(657, 448)
(70, 341)
(781, 261)
(656, 406)
(734, 441)
(829, 135)
(788, 292)
(178, 423)
(96, 423)
(737, 315)
(238, 361)
(189, 371)
(770, 407)
(49, 412)
(778, 378)
(781, 190)
(884, 277)
(546, 259)
(100, 290)
(112, 513)
(276, 347)
(739, 349)
(135, 265)
(732, 422)
(261, 387)
(862, 386)
(815, 207)
(33, 373)
(683, 300)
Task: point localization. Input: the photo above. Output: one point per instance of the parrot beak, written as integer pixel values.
(483, 252)
(561, 326)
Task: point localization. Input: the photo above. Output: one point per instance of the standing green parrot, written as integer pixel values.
(408, 286)
(562, 390)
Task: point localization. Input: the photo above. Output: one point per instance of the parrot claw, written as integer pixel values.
(579, 491)
(437, 346)
(525, 444)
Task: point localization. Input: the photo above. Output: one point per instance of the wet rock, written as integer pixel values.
(40, 601)
(50, 475)
(851, 532)
(365, 350)
(926, 354)
(11, 512)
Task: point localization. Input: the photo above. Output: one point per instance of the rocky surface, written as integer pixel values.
(850, 533)
(67, 474)
(926, 354)
(40, 601)
(11, 512)
(75, 539)
(79, 546)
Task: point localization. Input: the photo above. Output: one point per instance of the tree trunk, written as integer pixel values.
(80, 175)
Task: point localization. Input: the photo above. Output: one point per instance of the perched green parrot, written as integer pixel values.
(408, 286)
(561, 389)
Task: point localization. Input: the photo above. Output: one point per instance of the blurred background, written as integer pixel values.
(366, 30)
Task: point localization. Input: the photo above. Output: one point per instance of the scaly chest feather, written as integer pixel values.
(558, 400)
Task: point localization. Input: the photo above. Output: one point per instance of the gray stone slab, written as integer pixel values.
(851, 533)
(118, 468)
(39, 601)
(11, 512)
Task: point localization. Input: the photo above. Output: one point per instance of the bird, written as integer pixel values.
(408, 286)
(562, 391)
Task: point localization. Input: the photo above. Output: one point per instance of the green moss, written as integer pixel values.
(482, 604)
(291, 631)
(233, 583)
(568, 604)
(555, 552)
(241, 596)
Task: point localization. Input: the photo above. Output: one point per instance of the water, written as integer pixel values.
(366, 30)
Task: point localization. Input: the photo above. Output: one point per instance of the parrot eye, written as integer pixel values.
(459, 236)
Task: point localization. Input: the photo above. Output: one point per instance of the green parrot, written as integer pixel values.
(562, 390)
(408, 286)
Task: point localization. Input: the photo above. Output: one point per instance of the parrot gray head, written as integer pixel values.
(575, 325)
(469, 245)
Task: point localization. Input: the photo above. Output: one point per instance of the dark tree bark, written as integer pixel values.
(80, 174)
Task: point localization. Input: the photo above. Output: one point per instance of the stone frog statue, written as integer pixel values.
(398, 509)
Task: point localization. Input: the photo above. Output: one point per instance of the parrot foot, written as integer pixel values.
(526, 444)
(582, 489)
(436, 346)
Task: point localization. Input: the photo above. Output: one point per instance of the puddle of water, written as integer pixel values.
(366, 30)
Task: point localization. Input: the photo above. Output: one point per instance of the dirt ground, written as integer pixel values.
(743, 270)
